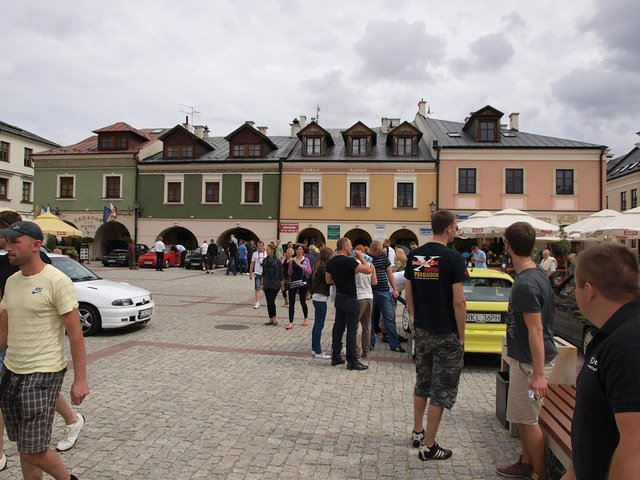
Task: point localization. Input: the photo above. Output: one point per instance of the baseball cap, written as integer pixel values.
(19, 229)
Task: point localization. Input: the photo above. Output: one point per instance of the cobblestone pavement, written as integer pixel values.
(187, 397)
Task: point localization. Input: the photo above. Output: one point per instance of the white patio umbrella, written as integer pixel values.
(590, 223)
(497, 223)
(625, 225)
(465, 228)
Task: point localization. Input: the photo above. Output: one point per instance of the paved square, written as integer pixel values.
(183, 398)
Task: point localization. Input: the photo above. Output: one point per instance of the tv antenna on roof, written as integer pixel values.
(191, 112)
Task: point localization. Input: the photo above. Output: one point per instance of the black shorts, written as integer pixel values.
(28, 406)
(439, 360)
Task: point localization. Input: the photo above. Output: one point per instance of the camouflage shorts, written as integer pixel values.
(439, 360)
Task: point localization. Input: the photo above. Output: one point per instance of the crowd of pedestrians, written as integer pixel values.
(364, 285)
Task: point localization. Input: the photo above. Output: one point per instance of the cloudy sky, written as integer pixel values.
(571, 68)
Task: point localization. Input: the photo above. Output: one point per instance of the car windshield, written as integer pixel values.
(74, 270)
(487, 290)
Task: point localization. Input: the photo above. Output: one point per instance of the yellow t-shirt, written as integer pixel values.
(36, 333)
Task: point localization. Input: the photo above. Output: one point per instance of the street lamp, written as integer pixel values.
(432, 207)
(136, 214)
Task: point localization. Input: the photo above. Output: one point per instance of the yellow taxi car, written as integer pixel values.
(487, 294)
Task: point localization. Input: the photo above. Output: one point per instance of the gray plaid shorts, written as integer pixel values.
(439, 360)
(28, 406)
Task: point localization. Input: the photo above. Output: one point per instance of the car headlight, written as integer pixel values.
(122, 302)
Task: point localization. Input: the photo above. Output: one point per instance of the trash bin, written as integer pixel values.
(502, 390)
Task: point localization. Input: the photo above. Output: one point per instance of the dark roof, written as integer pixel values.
(624, 165)
(380, 152)
(194, 137)
(253, 129)
(123, 127)
(220, 153)
(451, 135)
(5, 127)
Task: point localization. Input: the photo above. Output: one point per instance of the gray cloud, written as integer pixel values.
(596, 92)
(514, 21)
(399, 50)
(488, 53)
(616, 23)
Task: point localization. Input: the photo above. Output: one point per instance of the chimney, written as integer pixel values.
(385, 125)
(514, 122)
(250, 123)
(187, 125)
(198, 130)
(263, 130)
(205, 132)
(422, 107)
(295, 127)
(393, 123)
(303, 121)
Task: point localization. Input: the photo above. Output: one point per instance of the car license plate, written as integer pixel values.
(111, 261)
(484, 317)
(147, 312)
(148, 263)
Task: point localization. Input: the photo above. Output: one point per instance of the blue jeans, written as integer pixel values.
(382, 300)
(242, 265)
(318, 325)
(232, 266)
(347, 312)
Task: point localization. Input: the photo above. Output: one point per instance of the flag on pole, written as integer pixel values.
(114, 211)
(106, 213)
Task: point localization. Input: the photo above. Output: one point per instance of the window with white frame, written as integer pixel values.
(404, 191)
(358, 191)
(251, 189)
(66, 187)
(26, 192)
(514, 181)
(310, 190)
(112, 186)
(467, 178)
(211, 188)
(4, 189)
(174, 188)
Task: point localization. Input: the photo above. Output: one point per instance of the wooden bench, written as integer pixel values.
(555, 420)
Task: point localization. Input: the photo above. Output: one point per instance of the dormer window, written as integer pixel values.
(179, 151)
(405, 146)
(487, 130)
(314, 146)
(113, 142)
(247, 150)
(359, 146)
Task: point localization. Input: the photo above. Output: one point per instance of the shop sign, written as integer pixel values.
(289, 227)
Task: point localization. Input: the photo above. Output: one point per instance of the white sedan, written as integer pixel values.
(104, 303)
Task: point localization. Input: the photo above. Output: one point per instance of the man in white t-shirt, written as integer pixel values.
(158, 247)
(256, 267)
(391, 252)
(203, 251)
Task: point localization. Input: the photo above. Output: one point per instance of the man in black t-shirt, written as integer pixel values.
(341, 272)
(435, 298)
(605, 431)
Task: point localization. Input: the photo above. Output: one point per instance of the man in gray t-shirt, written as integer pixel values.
(530, 348)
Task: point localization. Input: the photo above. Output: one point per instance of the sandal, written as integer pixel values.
(305, 323)
(270, 323)
(289, 327)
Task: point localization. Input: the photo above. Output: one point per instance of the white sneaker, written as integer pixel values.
(257, 305)
(321, 355)
(343, 351)
(3, 460)
(71, 433)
